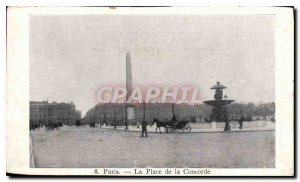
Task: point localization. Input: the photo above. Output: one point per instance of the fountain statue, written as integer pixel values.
(219, 111)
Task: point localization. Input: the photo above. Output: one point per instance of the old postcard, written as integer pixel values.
(164, 91)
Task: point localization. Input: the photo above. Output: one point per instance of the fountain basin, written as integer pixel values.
(218, 103)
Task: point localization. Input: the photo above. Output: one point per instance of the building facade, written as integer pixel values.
(44, 112)
(77, 115)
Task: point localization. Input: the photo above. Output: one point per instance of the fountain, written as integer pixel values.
(219, 111)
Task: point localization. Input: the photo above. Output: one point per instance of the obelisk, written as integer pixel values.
(129, 106)
(128, 76)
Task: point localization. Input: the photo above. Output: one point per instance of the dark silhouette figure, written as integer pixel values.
(144, 128)
(115, 124)
(241, 123)
(92, 124)
(174, 120)
(77, 124)
(53, 125)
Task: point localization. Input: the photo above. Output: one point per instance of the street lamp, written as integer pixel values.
(227, 126)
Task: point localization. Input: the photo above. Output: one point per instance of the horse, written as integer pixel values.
(160, 124)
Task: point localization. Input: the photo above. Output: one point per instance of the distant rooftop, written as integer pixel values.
(53, 103)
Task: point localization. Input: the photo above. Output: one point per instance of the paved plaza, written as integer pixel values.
(87, 147)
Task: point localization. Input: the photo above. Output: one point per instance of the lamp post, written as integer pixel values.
(227, 126)
(126, 122)
(144, 110)
(115, 122)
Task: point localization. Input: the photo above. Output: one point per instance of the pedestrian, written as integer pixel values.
(144, 128)
(174, 120)
(241, 123)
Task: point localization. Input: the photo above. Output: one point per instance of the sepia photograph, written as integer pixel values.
(154, 93)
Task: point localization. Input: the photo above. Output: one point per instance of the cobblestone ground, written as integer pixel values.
(98, 148)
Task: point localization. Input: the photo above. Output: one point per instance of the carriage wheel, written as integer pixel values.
(180, 130)
(187, 129)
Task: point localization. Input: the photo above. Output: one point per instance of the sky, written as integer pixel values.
(71, 56)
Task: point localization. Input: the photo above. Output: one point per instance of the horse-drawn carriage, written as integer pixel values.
(173, 126)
